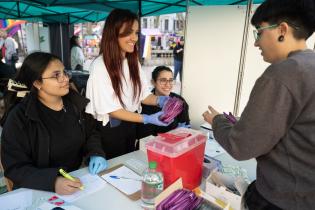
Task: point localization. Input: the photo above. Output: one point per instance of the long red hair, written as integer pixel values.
(112, 55)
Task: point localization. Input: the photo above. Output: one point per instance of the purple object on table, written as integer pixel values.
(180, 199)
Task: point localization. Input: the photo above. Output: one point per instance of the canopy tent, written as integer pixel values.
(75, 11)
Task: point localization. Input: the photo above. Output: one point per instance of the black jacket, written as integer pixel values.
(26, 143)
(144, 130)
(178, 55)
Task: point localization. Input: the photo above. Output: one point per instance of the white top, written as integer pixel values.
(77, 57)
(9, 44)
(103, 99)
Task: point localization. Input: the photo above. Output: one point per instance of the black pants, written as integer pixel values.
(118, 140)
(255, 201)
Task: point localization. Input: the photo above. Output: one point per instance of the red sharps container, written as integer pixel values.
(179, 153)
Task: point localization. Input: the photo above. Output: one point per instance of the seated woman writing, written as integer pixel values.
(47, 129)
(163, 81)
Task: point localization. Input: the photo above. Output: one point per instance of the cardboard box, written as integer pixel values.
(222, 193)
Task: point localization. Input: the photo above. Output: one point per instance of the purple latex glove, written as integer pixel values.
(154, 119)
(183, 125)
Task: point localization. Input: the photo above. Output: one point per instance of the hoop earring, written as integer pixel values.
(281, 38)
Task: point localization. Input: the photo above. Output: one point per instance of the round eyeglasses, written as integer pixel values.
(60, 76)
(164, 81)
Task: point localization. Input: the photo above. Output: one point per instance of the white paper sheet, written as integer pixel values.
(16, 201)
(213, 148)
(91, 183)
(127, 186)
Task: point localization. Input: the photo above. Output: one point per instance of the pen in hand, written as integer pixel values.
(68, 176)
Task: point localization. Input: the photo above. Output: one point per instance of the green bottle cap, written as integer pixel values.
(152, 165)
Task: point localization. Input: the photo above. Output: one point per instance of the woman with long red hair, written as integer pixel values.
(117, 86)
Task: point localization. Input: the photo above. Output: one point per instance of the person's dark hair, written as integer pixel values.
(73, 41)
(156, 72)
(299, 14)
(112, 55)
(31, 70)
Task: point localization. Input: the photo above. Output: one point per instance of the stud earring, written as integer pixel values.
(281, 38)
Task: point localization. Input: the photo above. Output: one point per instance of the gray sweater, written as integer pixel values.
(277, 127)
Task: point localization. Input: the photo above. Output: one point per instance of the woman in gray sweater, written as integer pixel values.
(277, 126)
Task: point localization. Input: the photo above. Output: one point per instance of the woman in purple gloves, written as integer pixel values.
(117, 86)
(45, 128)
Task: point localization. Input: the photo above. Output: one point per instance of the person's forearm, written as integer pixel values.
(125, 115)
(150, 100)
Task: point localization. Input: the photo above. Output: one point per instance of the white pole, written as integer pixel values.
(242, 59)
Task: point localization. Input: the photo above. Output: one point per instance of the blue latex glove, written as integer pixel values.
(183, 125)
(154, 119)
(162, 100)
(97, 164)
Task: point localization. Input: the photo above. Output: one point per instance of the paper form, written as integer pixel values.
(127, 186)
(91, 183)
(213, 148)
(16, 201)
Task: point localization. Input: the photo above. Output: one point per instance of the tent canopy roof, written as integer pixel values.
(75, 11)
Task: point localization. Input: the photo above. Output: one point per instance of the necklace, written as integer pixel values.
(60, 107)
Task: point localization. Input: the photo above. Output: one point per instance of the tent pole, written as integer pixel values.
(242, 59)
(61, 42)
(18, 8)
(139, 35)
(185, 31)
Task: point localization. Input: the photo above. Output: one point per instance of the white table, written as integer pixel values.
(111, 198)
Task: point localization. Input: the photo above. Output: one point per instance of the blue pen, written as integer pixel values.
(122, 177)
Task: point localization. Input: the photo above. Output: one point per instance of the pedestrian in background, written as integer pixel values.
(178, 59)
(77, 56)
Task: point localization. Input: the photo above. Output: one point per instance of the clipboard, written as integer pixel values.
(135, 196)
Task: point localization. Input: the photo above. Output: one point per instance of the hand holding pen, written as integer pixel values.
(66, 184)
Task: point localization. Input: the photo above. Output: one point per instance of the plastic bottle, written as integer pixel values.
(152, 184)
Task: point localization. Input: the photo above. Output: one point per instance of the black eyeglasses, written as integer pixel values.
(164, 81)
(60, 76)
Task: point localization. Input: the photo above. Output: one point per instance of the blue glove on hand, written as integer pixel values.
(183, 125)
(97, 164)
(154, 119)
(161, 100)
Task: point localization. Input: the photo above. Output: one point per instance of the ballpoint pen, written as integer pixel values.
(68, 176)
(122, 177)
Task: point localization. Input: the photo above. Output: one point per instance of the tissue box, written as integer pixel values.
(216, 186)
